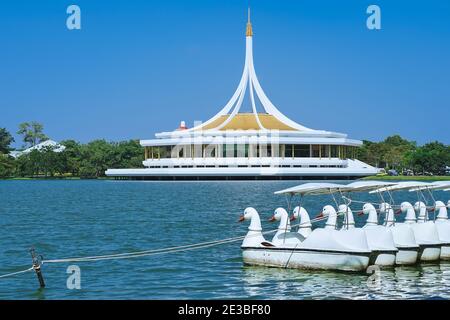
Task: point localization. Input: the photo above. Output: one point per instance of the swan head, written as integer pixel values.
(448, 204)
(300, 212)
(343, 208)
(248, 214)
(327, 211)
(404, 207)
(278, 215)
(367, 208)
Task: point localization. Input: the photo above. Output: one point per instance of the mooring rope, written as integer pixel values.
(15, 273)
(151, 252)
(136, 254)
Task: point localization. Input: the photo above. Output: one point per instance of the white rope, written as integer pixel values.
(15, 273)
(137, 254)
(151, 252)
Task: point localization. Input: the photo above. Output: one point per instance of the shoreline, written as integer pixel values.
(408, 178)
(393, 178)
(53, 178)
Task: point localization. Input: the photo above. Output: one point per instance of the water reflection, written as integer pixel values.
(412, 282)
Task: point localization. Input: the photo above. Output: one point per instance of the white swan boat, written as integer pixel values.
(379, 238)
(351, 248)
(443, 227)
(425, 233)
(323, 248)
(440, 219)
(401, 237)
(404, 239)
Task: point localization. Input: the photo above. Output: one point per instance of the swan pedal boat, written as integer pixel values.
(425, 232)
(352, 249)
(441, 218)
(385, 252)
(404, 239)
(323, 249)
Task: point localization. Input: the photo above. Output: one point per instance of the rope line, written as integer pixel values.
(136, 254)
(152, 252)
(15, 273)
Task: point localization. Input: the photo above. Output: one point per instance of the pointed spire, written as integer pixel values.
(249, 32)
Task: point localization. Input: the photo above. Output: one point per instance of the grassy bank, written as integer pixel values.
(409, 178)
(56, 178)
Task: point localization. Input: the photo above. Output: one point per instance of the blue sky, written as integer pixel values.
(139, 67)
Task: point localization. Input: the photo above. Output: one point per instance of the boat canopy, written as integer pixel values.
(325, 188)
(438, 185)
(312, 189)
(406, 185)
(364, 186)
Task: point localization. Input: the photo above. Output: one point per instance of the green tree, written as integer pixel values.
(371, 153)
(395, 150)
(7, 166)
(71, 157)
(95, 158)
(432, 157)
(127, 154)
(32, 132)
(52, 162)
(5, 141)
(28, 165)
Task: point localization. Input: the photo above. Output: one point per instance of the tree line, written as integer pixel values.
(406, 156)
(90, 160)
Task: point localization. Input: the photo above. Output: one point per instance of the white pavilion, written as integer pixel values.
(237, 145)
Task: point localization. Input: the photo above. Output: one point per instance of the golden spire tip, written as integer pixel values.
(249, 31)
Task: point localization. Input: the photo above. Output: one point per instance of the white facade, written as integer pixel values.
(237, 145)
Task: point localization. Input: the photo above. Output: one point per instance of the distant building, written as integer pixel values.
(56, 147)
(261, 144)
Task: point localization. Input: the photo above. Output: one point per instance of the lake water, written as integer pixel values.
(81, 218)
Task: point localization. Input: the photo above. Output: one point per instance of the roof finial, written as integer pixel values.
(249, 31)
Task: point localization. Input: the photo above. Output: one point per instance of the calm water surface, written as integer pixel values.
(79, 218)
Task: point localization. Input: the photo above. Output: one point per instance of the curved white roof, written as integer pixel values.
(326, 188)
(312, 189)
(405, 185)
(364, 186)
(438, 185)
(267, 120)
